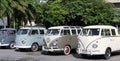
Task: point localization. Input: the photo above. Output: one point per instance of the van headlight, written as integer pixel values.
(94, 45)
(55, 43)
(23, 41)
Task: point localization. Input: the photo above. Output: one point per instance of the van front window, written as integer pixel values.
(90, 32)
(22, 31)
(53, 31)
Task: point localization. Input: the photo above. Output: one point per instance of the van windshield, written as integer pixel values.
(22, 31)
(90, 32)
(3, 32)
(53, 31)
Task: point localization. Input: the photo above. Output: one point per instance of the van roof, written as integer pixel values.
(62, 27)
(101, 26)
(32, 27)
(8, 29)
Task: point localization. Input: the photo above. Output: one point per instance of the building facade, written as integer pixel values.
(115, 2)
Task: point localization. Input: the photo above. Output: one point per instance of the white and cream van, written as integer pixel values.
(61, 38)
(98, 40)
(30, 37)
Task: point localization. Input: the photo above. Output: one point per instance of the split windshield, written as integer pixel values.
(53, 31)
(22, 31)
(90, 32)
(3, 32)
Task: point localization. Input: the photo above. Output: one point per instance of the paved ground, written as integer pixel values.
(12, 55)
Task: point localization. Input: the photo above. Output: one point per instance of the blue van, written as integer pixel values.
(30, 37)
(7, 37)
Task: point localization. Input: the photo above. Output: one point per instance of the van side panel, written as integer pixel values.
(67, 40)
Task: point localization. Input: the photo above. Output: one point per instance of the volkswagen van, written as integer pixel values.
(7, 37)
(30, 37)
(61, 38)
(98, 40)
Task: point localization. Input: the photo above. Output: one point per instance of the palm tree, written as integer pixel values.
(19, 10)
(5, 9)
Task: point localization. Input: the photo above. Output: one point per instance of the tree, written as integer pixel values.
(78, 12)
(5, 9)
(23, 10)
(18, 10)
(52, 13)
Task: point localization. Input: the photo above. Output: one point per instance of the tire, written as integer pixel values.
(12, 45)
(83, 55)
(107, 54)
(34, 47)
(67, 50)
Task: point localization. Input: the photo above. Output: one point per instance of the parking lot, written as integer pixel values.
(12, 55)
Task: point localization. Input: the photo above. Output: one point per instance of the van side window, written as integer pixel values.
(78, 31)
(102, 32)
(73, 32)
(34, 32)
(66, 32)
(113, 32)
(11, 32)
(41, 31)
(105, 32)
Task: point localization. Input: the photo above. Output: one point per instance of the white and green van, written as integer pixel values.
(61, 38)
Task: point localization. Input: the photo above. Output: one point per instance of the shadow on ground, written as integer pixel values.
(94, 57)
(60, 53)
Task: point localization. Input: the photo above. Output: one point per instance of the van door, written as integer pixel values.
(74, 38)
(109, 40)
(115, 39)
(65, 39)
(11, 36)
(34, 36)
(41, 32)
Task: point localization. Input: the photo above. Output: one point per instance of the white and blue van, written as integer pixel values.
(7, 37)
(30, 37)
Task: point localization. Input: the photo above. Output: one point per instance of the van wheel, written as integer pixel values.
(67, 50)
(12, 45)
(107, 54)
(34, 47)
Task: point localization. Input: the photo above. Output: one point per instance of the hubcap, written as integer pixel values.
(12, 45)
(34, 47)
(67, 50)
(108, 54)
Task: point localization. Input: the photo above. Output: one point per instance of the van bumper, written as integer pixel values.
(51, 49)
(2, 44)
(17, 47)
(90, 52)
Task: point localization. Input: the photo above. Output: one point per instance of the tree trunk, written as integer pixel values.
(3, 22)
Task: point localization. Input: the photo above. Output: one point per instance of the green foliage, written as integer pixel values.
(59, 12)
(119, 31)
(77, 12)
(20, 10)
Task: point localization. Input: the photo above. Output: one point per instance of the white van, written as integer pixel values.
(98, 40)
(61, 38)
(30, 37)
